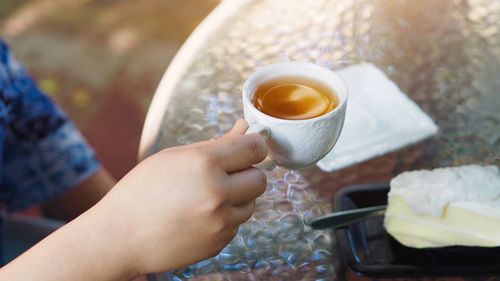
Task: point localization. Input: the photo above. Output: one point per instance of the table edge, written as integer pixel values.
(177, 68)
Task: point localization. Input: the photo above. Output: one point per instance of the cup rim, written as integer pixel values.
(249, 80)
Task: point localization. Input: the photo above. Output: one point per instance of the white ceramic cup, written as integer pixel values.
(296, 144)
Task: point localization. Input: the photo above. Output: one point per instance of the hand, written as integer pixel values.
(185, 203)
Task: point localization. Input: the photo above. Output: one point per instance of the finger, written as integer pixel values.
(238, 152)
(185, 146)
(245, 185)
(242, 213)
(239, 128)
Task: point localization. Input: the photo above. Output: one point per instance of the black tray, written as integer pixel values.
(370, 251)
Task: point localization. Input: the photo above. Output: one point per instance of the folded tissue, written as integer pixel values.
(379, 119)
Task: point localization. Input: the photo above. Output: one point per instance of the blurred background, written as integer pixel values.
(101, 60)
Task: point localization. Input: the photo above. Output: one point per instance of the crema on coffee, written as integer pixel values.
(294, 98)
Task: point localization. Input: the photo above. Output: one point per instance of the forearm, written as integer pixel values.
(84, 249)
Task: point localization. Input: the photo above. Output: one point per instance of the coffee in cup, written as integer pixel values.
(294, 98)
(300, 109)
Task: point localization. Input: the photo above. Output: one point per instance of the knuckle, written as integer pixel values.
(257, 148)
(203, 160)
(261, 180)
(220, 225)
(251, 209)
(217, 200)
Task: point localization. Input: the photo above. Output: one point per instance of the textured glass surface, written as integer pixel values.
(445, 55)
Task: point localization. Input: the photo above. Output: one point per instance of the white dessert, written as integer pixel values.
(445, 207)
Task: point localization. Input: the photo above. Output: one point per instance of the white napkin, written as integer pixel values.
(380, 118)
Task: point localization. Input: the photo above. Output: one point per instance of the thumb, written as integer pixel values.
(239, 128)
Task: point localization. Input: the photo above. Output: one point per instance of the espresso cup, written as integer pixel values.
(296, 144)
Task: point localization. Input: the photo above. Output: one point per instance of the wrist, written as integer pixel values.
(105, 235)
(84, 249)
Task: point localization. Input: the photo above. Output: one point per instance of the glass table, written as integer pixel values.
(445, 55)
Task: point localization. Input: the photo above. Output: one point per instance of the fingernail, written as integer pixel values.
(265, 133)
(268, 164)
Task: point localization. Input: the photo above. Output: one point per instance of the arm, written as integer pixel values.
(175, 208)
(80, 198)
(80, 250)
(42, 153)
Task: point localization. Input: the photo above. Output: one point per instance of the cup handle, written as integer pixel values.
(268, 163)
